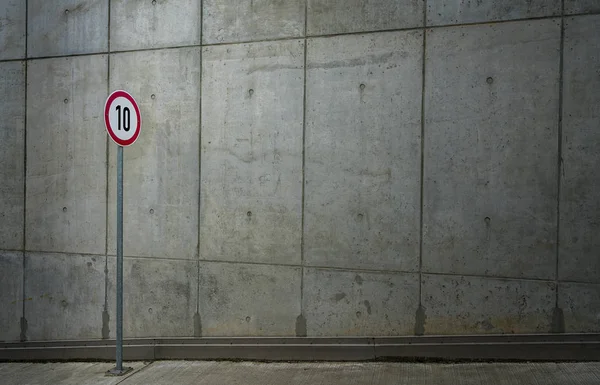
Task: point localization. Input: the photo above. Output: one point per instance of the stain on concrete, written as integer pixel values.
(105, 323)
(81, 7)
(358, 279)
(368, 306)
(339, 296)
(272, 67)
(197, 325)
(486, 325)
(558, 321)
(23, 336)
(300, 326)
(357, 62)
(420, 321)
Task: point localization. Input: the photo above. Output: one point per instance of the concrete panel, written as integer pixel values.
(344, 303)
(442, 12)
(64, 296)
(11, 300)
(64, 27)
(12, 29)
(363, 114)
(161, 168)
(66, 155)
(580, 182)
(248, 300)
(12, 154)
(138, 24)
(581, 6)
(236, 21)
(491, 149)
(251, 199)
(581, 307)
(159, 297)
(474, 305)
(344, 16)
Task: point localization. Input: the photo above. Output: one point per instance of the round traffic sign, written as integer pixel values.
(122, 118)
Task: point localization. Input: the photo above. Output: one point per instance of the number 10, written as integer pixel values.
(126, 118)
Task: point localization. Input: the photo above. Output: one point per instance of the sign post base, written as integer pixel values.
(114, 372)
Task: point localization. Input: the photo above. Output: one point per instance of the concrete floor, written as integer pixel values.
(237, 373)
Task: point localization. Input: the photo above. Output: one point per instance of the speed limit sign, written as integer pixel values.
(123, 123)
(122, 118)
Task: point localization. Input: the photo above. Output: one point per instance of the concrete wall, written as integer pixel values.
(305, 167)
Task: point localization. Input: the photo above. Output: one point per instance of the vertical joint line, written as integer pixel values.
(422, 170)
(559, 144)
(199, 162)
(26, 86)
(106, 225)
(303, 161)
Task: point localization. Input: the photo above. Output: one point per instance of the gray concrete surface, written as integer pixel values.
(472, 305)
(581, 6)
(362, 151)
(248, 300)
(443, 12)
(251, 190)
(63, 296)
(343, 303)
(297, 145)
(63, 27)
(12, 37)
(194, 372)
(227, 21)
(80, 373)
(580, 303)
(66, 155)
(149, 24)
(579, 199)
(490, 183)
(160, 297)
(12, 152)
(161, 169)
(11, 300)
(325, 17)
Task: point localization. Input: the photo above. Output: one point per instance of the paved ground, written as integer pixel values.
(238, 373)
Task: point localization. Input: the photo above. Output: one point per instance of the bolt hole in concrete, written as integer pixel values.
(150, 310)
(250, 92)
(249, 213)
(66, 11)
(487, 220)
(489, 80)
(153, 2)
(66, 101)
(362, 87)
(360, 216)
(358, 314)
(64, 209)
(248, 319)
(153, 96)
(151, 211)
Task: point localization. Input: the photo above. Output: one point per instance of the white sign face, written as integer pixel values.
(122, 118)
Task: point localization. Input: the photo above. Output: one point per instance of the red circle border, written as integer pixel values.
(109, 100)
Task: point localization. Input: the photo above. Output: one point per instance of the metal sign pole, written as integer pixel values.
(119, 370)
(119, 367)
(121, 115)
